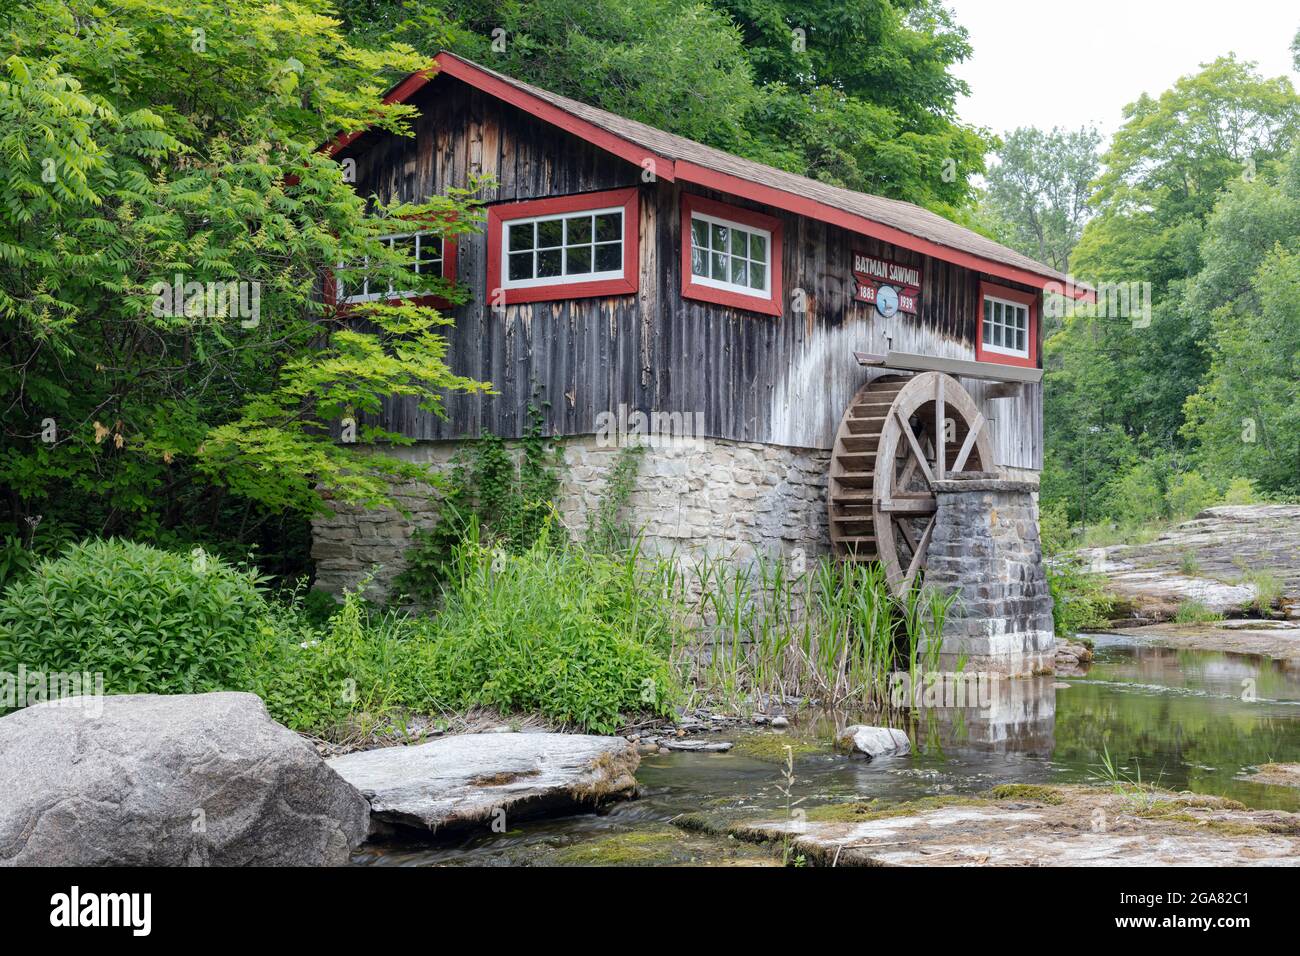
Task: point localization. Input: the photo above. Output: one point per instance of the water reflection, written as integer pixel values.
(1184, 719)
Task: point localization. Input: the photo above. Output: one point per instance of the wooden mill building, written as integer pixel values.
(758, 324)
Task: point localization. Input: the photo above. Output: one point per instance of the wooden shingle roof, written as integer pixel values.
(673, 157)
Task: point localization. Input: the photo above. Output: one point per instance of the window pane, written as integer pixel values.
(738, 274)
(609, 257)
(577, 231)
(757, 275)
(521, 237)
(1022, 318)
(609, 227)
(699, 261)
(739, 242)
(719, 241)
(578, 260)
(550, 232)
(548, 262)
(719, 266)
(758, 247)
(988, 315)
(700, 233)
(521, 265)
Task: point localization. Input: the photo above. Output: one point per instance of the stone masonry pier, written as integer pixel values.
(985, 550)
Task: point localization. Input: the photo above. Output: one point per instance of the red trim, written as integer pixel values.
(771, 196)
(668, 169)
(481, 79)
(772, 305)
(1029, 299)
(450, 256)
(500, 214)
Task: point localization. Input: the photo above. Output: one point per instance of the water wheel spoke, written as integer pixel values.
(916, 447)
(969, 443)
(918, 553)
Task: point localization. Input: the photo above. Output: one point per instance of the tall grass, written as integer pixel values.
(833, 632)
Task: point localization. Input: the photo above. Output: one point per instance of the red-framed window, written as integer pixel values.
(731, 256)
(1008, 326)
(428, 252)
(565, 247)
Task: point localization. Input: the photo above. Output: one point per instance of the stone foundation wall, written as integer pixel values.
(985, 549)
(691, 499)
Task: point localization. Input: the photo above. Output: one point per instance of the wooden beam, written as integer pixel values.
(963, 368)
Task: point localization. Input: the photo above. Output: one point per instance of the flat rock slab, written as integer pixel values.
(1277, 775)
(462, 781)
(1279, 640)
(1036, 826)
(1225, 543)
(184, 780)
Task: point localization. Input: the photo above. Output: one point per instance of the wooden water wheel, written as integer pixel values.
(892, 445)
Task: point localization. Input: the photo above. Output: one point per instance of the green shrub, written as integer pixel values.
(508, 506)
(1079, 601)
(151, 621)
(1241, 491)
(1189, 494)
(559, 632)
(1137, 495)
(1054, 527)
(562, 632)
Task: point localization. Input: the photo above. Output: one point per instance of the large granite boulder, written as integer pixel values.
(474, 779)
(195, 779)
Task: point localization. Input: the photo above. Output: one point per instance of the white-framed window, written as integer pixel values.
(562, 249)
(731, 256)
(1006, 327)
(423, 249)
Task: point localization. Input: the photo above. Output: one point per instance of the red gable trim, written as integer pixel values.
(668, 169)
(625, 149)
(771, 196)
(494, 86)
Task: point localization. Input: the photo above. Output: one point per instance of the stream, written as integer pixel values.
(1180, 719)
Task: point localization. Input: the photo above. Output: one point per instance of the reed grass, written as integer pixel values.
(832, 632)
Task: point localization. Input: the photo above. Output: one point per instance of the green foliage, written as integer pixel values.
(867, 100)
(1194, 612)
(554, 631)
(1188, 494)
(1054, 528)
(1040, 188)
(568, 634)
(1198, 194)
(1137, 495)
(150, 620)
(138, 149)
(1240, 491)
(487, 496)
(1079, 601)
(608, 530)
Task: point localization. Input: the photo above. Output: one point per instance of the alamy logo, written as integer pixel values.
(75, 909)
(657, 429)
(209, 300)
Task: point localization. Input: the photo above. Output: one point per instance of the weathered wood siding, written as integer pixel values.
(757, 378)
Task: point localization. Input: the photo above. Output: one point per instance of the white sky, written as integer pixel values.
(1069, 63)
